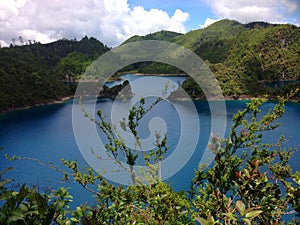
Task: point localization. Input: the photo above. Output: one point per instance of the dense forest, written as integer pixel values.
(248, 59)
(34, 73)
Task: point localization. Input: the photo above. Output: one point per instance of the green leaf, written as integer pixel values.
(22, 193)
(202, 221)
(230, 216)
(15, 218)
(296, 177)
(3, 182)
(247, 173)
(5, 170)
(253, 214)
(41, 201)
(240, 207)
(16, 215)
(23, 207)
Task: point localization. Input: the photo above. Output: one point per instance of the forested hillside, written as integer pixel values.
(247, 59)
(159, 36)
(32, 74)
(155, 67)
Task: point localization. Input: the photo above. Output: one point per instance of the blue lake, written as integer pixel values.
(46, 133)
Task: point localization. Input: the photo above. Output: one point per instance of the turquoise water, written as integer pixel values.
(46, 133)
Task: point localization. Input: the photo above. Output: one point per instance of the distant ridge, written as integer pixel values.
(247, 59)
(244, 57)
(159, 36)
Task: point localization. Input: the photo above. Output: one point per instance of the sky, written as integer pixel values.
(114, 21)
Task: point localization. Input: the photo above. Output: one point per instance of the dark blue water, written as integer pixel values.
(280, 84)
(46, 133)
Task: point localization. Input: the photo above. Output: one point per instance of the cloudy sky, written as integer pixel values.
(113, 21)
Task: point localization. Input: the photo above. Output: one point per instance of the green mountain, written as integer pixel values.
(248, 59)
(33, 74)
(153, 67)
(214, 36)
(159, 36)
(149, 67)
(245, 57)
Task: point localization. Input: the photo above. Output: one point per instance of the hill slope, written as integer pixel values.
(244, 57)
(159, 36)
(32, 74)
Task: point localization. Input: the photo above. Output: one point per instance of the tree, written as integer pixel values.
(28, 206)
(21, 40)
(251, 181)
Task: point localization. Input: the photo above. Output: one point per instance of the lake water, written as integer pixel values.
(46, 133)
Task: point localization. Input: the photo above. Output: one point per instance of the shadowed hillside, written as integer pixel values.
(33, 74)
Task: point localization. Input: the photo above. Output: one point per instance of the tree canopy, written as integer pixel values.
(33, 73)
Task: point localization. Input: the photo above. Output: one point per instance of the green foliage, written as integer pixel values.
(27, 206)
(267, 54)
(73, 65)
(140, 203)
(155, 68)
(250, 181)
(214, 42)
(243, 57)
(33, 74)
(116, 144)
(153, 204)
(159, 36)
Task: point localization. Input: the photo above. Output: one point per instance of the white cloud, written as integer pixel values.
(274, 11)
(208, 21)
(177, 21)
(111, 21)
(121, 23)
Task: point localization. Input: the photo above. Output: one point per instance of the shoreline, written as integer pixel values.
(239, 98)
(226, 98)
(294, 99)
(52, 102)
(249, 97)
(155, 74)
